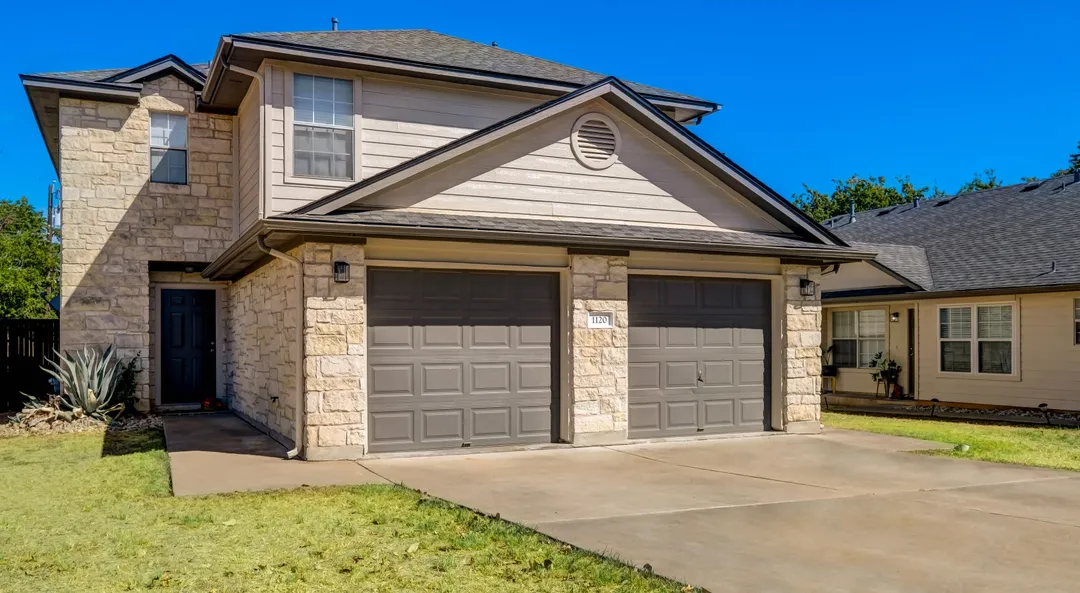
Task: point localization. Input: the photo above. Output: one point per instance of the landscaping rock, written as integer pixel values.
(49, 421)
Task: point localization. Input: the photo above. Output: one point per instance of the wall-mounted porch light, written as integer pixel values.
(341, 271)
(894, 316)
(807, 287)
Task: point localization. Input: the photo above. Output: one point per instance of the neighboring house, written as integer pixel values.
(977, 296)
(369, 241)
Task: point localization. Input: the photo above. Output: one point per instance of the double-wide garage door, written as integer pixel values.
(460, 358)
(699, 356)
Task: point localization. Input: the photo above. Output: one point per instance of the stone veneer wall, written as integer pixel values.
(335, 357)
(801, 331)
(115, 221)
(261, 329)
(598, 363)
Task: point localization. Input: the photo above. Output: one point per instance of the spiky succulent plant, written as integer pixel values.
(87, 380)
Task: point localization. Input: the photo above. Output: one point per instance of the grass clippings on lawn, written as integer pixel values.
(1042, 446)
(75, 517)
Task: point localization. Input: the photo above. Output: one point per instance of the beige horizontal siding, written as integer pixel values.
(535, 174)
(1049, 363)
(248, 171)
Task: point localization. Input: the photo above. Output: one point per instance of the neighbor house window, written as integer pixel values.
(978, 338)
(857, 336)
(168, 148)
(1076, 322)
(322, 127)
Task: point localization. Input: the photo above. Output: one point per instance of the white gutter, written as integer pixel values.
(298, 414)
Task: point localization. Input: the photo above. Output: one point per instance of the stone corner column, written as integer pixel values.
(335, 365)
(801, 336)
(598, 355)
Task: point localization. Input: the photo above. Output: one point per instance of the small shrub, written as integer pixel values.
(126, 384)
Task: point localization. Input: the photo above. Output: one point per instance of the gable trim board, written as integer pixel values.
(331, 57)
(164, 64)
(626, 101)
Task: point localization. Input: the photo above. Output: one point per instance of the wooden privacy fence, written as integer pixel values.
(24, 346)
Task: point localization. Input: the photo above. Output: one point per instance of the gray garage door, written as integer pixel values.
(460, 358)
(699, 356)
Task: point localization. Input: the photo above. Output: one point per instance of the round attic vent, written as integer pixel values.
(595, 141)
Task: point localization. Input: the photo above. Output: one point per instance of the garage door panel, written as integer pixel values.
(708, 339)
(534, 421)
(490, 336)
(534, 377)
(463, 358)
(440, 426)
(680, 375)
(392, 428)
(390, 380)
(719, 413)
(645, 418)
(717, 373)
(491, 422)
(490, 378)
(682, 415)
(442, 379)
(441, 336)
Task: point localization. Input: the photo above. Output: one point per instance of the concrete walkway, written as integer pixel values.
(215, 453)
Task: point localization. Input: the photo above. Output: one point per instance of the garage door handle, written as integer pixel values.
(700, 377)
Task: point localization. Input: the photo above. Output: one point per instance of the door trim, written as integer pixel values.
(155, 349)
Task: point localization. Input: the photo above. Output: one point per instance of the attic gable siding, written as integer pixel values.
(534, 174)
(399, 119)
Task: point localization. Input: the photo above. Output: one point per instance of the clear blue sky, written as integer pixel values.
(812, 91)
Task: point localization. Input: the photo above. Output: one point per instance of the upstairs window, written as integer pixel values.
(1076, 322)
(322, 127)
(976, 339)
(168, 148)
(857, 336)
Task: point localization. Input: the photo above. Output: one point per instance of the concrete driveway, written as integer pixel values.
(838, 512)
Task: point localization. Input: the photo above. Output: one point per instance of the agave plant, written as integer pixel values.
(87, 381)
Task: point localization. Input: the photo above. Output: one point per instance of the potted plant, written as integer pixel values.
(885, 370)
(828, 369)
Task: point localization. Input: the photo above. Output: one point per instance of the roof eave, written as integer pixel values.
(951, 294)
(220, 268)
(166, 63)
(522, 83)
(81, 89)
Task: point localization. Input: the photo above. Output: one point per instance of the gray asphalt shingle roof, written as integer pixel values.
(561, 228)
(907, 260)
(431, 47)
(99, 75)
(1007, 237)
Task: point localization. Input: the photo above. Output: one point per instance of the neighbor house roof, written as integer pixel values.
(1016, 237)
(430, 47)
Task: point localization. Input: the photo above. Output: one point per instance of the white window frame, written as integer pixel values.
(288, 77)
(858, 338)
(1076, 320)
(186, 148)
(975, 339)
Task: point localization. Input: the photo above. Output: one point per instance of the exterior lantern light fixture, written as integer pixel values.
(341, 271)
(807, 287)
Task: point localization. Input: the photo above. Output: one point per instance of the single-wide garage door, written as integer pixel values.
(699, 356)
(460, 358)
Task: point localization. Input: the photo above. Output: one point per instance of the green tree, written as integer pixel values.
(867, 193)
(1074, 164)
(977, 182)
(29, 262)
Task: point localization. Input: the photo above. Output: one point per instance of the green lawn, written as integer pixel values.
(75, 519)
(1039, 446)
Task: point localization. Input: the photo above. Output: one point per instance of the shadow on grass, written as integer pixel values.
(126, 442)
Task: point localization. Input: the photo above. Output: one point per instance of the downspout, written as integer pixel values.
(262, 134)
(298, 441)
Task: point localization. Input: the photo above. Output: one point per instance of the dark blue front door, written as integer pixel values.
(188, 342)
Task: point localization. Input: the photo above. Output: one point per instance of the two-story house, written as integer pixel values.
(370, 241)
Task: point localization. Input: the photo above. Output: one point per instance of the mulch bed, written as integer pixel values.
(85, 424)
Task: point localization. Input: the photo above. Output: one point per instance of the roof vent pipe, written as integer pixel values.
(852, 212)
(333, 23)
